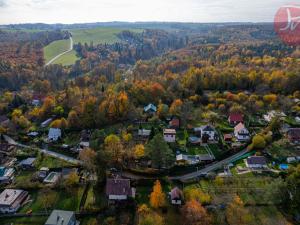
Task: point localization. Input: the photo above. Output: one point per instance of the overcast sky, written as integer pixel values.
(77, 11)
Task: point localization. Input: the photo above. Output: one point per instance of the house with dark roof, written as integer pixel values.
(62, 217)
(176, 196)
(235, 118)
(256, 162)
(293, 134)
(118, 189)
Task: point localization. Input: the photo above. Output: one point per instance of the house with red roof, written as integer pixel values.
(235, 118)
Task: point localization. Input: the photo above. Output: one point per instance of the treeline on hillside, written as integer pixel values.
(21, 53)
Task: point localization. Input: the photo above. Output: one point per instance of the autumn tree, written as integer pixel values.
(162, 110)
(139, 151)
(198, 195)
(148, 217)
(175, 108)
(258, 142)
(113, 148)
(72, 179)
(195, 214)
(88, 156)
(159, 152)
(48, 198)
(73, 120)
(157, 197)
(237, 214)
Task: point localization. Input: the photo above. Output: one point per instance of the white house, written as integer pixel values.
(207, 131)
(170, 135)
(256, 162)
(241, 132)
(189, 159)
(54, 134)
(270, 115)
(119, 189)
(11, 200)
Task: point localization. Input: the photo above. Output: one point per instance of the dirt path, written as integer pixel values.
(61, 54)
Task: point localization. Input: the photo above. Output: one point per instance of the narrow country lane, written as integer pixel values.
(61, 54)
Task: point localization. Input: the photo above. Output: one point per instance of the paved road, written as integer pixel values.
(61, 54)
(209, 168)
(45, 151)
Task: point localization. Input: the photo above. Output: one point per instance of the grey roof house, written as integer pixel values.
(62, 217)
(27, 163)
(54, 134)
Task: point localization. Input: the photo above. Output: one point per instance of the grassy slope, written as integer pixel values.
(55, 48)
(99, 35)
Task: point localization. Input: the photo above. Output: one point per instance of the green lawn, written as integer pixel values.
(64, 200)
(51, 162)
(67, 59)
(197, 150)
(99, 35)
(55, 48)
(40, 220)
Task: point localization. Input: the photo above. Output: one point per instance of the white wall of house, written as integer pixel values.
(211, 134)
(243, 134)
(117, 197)
(176, 202)
(170, 138)
(256, 166)
(6, 209)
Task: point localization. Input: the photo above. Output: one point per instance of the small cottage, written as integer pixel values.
(293, 134)
(176, 196)
(62, 217)
(235, 118)
(256, 162)
(27, 164)
(54, 134)
(119, 189)
(150, 108)
(169, 135)
(11, 200)
(241, 132)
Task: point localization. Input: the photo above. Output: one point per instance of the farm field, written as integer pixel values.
(99, 35)
(57, 47)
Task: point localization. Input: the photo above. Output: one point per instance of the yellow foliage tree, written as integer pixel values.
(237, 214)
(157, 197)
(139, 151)
(198, 195)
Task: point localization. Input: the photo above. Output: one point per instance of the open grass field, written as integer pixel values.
(57, 47)
(99, 35)
(67, 59)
